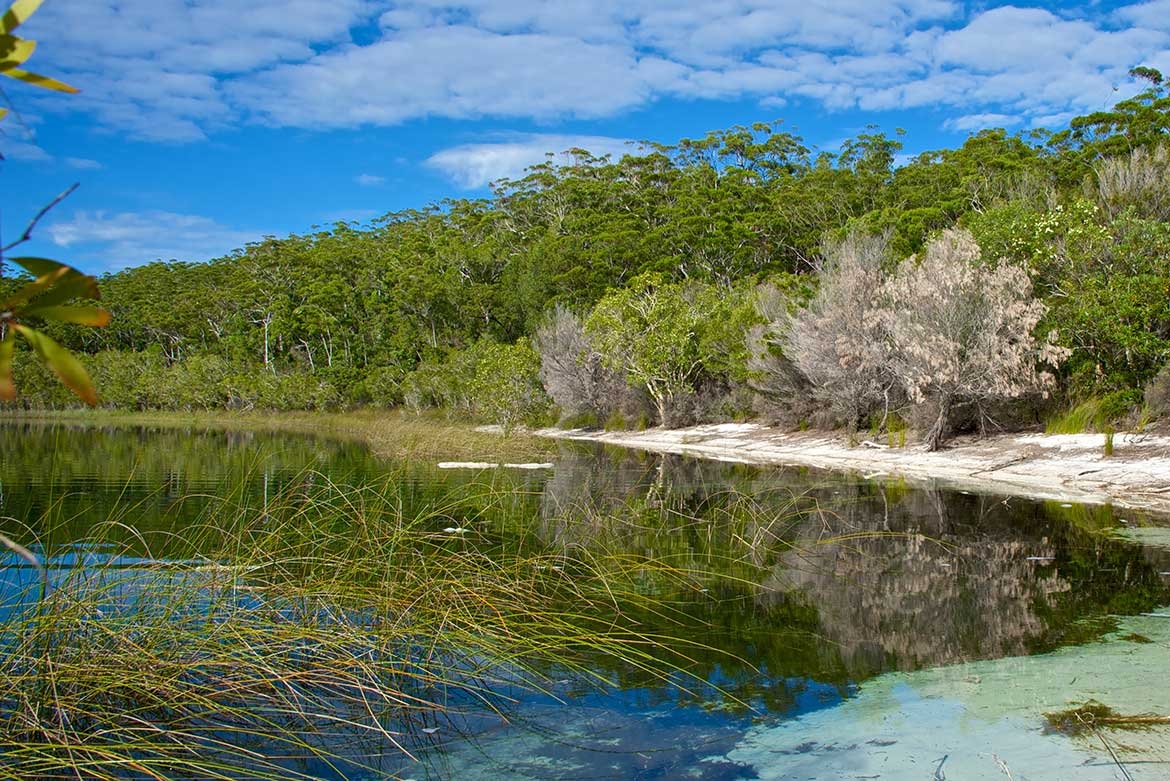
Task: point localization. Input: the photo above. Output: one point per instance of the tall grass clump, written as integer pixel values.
(326, 632)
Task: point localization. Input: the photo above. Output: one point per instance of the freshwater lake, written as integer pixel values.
(849, 628)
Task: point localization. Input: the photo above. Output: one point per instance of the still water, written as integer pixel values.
(836, 627)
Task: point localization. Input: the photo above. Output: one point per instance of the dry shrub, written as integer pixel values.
(1157, 394)
(944, 329)
(1138, 180)
(573, 373)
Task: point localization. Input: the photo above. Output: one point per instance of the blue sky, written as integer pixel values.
(205, 124)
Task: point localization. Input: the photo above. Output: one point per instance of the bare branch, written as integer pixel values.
(39, 215)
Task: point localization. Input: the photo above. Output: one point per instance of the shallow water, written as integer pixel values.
(855, 628)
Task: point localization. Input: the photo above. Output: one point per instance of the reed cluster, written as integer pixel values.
(327, 632)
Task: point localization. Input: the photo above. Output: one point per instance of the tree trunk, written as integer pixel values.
(934, 437)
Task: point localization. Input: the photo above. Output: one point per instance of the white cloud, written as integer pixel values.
(1154, 15)
(452, 72)
(971, 122)
(125, 239)
(83, 164)
(24, 151)
(477, 165)
(370, 180)
(174, 70)
(157, 68)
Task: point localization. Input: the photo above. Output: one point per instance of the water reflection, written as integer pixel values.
(790, 587)
(886, 577)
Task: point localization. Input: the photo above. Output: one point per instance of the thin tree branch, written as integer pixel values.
(33, 223)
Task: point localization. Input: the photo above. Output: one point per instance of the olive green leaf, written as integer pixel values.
(37, 80)
(55, 283)
(67, 368)
(81, 315)
(14, 51)
(7, 382)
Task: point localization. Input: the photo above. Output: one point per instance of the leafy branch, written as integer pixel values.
(55, 286)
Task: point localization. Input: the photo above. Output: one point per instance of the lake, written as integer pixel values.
(807, 624)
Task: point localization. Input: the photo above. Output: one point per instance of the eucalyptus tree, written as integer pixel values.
(664, 337)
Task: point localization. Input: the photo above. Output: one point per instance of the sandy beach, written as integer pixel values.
(1064, 467)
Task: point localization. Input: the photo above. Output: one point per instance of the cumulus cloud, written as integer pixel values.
(119, 239)
(157, 68)
(453, 72)
(370, 180)
(177, 71)
(477, 165)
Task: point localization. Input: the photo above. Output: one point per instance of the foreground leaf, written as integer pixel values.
(33, 289)
(61, 362)
(14, 51)
(38, 80)
(7, 381)
(81, 315)
(17, 14)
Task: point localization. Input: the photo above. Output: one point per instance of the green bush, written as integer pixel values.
(1096, 414)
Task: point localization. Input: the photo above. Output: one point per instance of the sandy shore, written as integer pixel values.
(1070, 467)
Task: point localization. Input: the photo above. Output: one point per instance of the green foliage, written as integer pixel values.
(505, 388)
(1095, 414)
(664, 336)
(661, 250)
(616, 422)
(1137, 122)
(495, 382)
(1105, 282)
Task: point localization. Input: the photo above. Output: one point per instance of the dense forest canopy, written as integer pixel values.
(674, 285)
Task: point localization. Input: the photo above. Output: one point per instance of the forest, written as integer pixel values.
(1016, 279)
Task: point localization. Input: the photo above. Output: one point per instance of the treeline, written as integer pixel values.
(737, 275)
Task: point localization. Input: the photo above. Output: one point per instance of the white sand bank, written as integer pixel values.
(1070, 467)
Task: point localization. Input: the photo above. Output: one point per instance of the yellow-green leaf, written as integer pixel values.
(7, 352)
(38, 267)
(68, 287)
(37, 80)
(56, 283)
(35, 288)
(3, 113)
(81, 315)
(14, 51)
(17, 14)
(67, 368)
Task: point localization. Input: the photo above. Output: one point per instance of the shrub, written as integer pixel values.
(505, 387)
(944, 329)
(1139, 181)
(961, 331)
(1157, 393)
(839, 343)
(572, 371)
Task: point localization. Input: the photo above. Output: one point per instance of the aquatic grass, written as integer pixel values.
(388, 433)
(316, 634)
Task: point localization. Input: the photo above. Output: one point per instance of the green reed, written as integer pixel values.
(317, 633)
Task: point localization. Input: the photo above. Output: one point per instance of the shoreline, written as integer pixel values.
(1059, 467)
